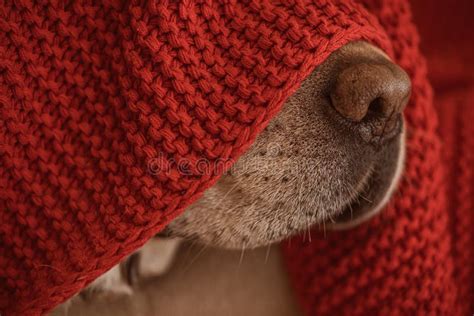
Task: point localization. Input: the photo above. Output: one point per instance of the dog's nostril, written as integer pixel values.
(374, 93)
(374, 106)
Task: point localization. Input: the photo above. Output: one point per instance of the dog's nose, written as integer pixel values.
(372, 95)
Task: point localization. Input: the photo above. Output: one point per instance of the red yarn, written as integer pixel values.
(417, 257)
(91, 94)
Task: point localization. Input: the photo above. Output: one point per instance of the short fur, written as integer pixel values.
(307, 167)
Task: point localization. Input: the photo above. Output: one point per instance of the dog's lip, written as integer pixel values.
(362, 204)
(375, 192)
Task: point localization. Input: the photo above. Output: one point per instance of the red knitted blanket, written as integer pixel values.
(417, 257)
(90, 92)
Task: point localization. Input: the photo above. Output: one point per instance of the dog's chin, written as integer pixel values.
(376, 190)
(373, 193)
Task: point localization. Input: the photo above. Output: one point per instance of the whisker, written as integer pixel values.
(194, 259)
(267, 254)
(352, 211)
(242, 253)
(225, 195)
(365, 198)
(308, 227)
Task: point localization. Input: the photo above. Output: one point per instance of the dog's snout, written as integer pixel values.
(372, 95)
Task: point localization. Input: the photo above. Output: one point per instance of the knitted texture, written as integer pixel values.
(451, 69)
(94, 93)
(417, 257)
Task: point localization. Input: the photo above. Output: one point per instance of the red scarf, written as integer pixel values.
(417, 257)
(90, 94)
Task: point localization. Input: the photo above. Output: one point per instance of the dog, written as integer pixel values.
(332, 157)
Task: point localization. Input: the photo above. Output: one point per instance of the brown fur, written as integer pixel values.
(306, 167)
(311, 165)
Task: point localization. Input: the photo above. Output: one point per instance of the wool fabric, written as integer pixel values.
(417, 256)
(92, 94)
